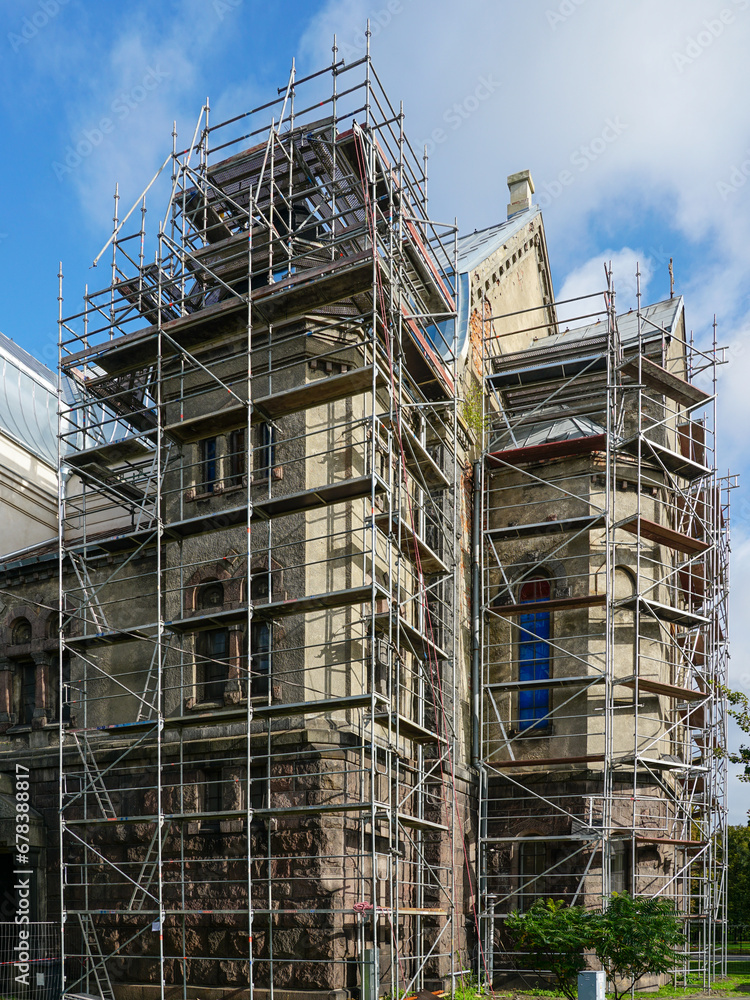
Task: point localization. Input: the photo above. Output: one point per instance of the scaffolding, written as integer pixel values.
(257, 562)
(602, 529)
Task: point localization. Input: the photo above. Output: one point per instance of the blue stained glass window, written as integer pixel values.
(534, 656)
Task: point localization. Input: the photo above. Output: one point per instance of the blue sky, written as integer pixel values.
(631, 114)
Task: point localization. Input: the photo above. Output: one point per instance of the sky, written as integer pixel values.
(632, 116)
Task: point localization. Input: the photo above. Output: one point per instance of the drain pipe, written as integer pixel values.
(476, 604)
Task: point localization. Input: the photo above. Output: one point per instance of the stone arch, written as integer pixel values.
(20, 632)
(210, 594)
(22, 616)
(270, 575)
(210, 573)
(51, 626)
(529, 564)
(624, 582)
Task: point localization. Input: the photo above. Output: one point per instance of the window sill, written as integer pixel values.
(531, 734)
(222, 828)
(204, 706)
(191, 495)
(48, 727)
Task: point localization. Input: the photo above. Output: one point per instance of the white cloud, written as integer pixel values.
(672, 76)
(681, 126)
(122, 131)
(591, 277)
(622, 111)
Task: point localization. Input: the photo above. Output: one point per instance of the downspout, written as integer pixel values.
(476, 604)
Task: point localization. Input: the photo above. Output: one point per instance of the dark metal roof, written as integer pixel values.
(658, 319)
(482, 243)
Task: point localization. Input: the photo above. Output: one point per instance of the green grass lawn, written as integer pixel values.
(735, 985)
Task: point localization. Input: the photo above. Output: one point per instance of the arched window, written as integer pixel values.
(211, 595)
(534, 657)
(260, 586)
(21, 634)
(266, 581)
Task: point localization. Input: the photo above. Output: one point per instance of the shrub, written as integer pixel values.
(633, 937)
(555, 937)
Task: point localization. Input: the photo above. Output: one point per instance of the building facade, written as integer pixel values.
(381, 605)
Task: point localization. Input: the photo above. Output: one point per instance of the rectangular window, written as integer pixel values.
(213, 791)
(28, 694)
(619, 873)
(259, 799)
(212, 798)
(66, 687)
(435, 621)
(534, 658)
(531, 866)
(237, 457)
(434, 526)
(209, 466)
(265, 453)
(259, 792)
(260, 658)
(54, 689)
(213, 649)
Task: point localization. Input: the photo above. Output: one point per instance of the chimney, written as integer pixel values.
(521, 188)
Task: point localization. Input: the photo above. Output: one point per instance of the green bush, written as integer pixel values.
(555, 936)
(637, 937)
(633, 937)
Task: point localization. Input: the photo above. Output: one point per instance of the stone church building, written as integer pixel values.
(355, 593)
